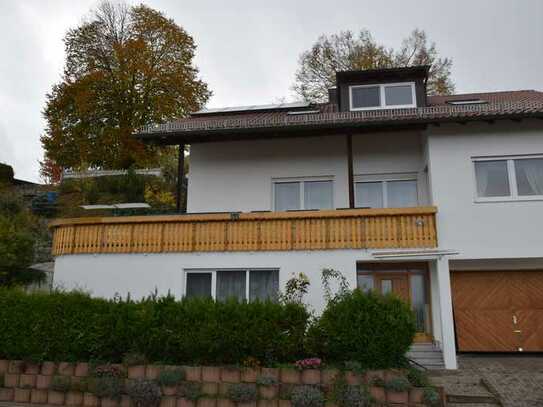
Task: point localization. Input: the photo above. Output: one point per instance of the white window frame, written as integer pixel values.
(384, 179)
(383, 104)
(213, 273)
(511, 175)
(302, 181)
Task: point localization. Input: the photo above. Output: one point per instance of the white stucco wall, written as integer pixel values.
(105, 275)
(490, 229)
(237, 176)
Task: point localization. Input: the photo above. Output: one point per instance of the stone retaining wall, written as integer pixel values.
(31, 383)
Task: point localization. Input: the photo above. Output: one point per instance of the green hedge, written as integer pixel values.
(371, 329)
(73, 326)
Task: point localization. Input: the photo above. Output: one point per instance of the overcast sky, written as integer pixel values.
(248, 49)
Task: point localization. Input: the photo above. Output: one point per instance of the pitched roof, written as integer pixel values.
(497, 105)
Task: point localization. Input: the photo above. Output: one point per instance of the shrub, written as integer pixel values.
(307, 396)
(398, 384)
(266, 381)
(417, 377)
(430, 396)
(144, 393)
(353, 366)
(241, 392)
(369, 328)
(75, 327)
(190, 390)
(108, 387)
(60, 383)
(134, 359)
(171, 377)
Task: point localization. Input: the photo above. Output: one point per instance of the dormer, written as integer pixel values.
(376, 89)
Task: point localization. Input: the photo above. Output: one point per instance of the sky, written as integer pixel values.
(248, 50)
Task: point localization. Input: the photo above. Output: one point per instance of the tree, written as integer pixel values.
(126, 67)
(346, 51)
(19, 231)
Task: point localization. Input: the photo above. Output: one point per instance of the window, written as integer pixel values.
(401, 193)
(296, 195)
(198, 285)
(509, 178)
(382, 96)
(242, 285)
(386, 287)
(398, 95)
(363, 97)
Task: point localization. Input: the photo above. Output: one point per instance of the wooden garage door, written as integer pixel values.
(498, 311)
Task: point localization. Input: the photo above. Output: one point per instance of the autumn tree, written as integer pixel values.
(126, 67)
(347, 51)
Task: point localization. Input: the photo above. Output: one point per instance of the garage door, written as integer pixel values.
(498, 311)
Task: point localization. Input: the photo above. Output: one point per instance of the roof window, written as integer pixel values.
(467, 102)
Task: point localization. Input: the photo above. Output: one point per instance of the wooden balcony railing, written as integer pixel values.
(266, 231)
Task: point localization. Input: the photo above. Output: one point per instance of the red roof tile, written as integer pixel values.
(523, 103)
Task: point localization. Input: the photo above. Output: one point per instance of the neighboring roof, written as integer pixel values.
(207, 127)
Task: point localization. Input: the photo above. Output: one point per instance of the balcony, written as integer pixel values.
(257, 231)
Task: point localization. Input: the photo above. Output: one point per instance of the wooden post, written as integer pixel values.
(350, 177)
(180, 179)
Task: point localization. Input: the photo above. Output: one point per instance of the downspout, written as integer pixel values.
(350, 176)
(180, 207)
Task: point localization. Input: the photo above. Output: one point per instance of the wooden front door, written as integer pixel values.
(397, 283)
(498, 311)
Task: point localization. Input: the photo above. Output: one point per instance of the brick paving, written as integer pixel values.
(515, 380)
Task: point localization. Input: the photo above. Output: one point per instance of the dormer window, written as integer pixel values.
(382, 96)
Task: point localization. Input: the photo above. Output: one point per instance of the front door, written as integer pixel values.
(408, 281)
(396, 283)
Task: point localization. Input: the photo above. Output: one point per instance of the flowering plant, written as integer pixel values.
(310, 363)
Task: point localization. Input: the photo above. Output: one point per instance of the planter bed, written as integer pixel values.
(271, 387)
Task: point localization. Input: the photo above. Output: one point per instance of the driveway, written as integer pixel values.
(491, 379)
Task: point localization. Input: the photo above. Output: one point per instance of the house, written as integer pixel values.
(438, 199)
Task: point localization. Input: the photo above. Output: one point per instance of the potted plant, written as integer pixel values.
(230, 374)
(135, 365)
(169, 379)
(109, 390)
(244, 394)
(397, 390)
(22, 395)
(58, 389)
(190, 392)
(310, 369)
(307, 396)
(268, 387)
(431, 396)
(144, 393)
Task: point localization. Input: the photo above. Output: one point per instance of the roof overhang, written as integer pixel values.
(394, 74)
(175, 137)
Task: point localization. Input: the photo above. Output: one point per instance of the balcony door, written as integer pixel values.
(408, 281)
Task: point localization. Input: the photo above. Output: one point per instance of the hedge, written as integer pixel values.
(371, 329)
(75, 327)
